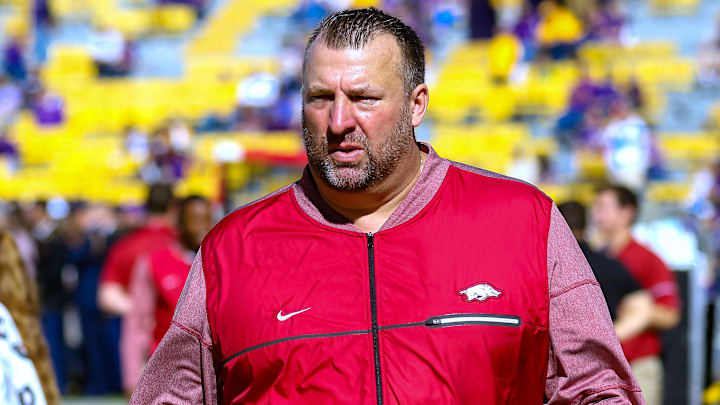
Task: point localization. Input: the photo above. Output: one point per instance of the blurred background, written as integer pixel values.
(102, 99)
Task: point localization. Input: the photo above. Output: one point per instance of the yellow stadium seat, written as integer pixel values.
(668, 192)
(175, 19)
(689, 150)
(133, 23)
(68, 64)
(591, 165)
(364, 3)
(69, 9)
(17, 25)
(674, 7)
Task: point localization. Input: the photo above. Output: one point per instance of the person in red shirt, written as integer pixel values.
(614, 212)
(157, 232)
(155, 288)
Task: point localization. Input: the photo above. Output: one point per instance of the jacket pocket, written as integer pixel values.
(472, 319)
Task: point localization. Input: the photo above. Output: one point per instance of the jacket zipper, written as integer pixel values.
(473, 319)
(373, 312)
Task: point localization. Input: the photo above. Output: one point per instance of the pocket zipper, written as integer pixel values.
(473, 319)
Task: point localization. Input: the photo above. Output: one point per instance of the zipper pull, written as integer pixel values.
(370, 238)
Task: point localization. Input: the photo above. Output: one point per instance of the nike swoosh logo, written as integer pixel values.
(282, 317)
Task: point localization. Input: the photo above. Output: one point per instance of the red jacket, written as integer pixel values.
(450, 302)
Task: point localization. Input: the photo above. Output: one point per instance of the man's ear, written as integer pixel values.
(419, 99)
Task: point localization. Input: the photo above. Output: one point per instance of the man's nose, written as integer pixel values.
(342, 120)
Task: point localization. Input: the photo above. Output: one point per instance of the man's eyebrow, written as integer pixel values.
(314, 88)
(363, 90)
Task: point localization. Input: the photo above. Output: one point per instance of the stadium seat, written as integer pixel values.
(175, 19)
(674, 7)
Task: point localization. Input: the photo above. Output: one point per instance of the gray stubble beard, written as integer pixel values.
(371, 170)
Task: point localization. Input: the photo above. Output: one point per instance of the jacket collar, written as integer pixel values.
(431, 177)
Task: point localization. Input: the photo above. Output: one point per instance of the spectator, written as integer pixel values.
(14, 64)
(614, 211)
(83, 252)
(157, 232)
(166, 163)
(43, 20)
(559, 30)
(111, 51)
(607, 22)
(525, 30)
(483, 19)
(9, 152)
(627, 145)
(156, 286)
(25, 368)
(136, 144)
(48, 108)
(11, 100)
(52, 291)
(630, 307)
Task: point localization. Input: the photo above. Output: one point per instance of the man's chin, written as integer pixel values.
(347, 179)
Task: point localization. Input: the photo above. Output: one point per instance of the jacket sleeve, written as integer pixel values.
(138, 323)
(181, 370)
(586, 363)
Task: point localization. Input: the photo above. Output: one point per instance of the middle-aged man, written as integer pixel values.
(387, 274)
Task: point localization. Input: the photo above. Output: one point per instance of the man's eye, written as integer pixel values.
(321, 97)
(364, 99)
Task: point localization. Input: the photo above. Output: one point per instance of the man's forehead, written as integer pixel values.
(381, 54)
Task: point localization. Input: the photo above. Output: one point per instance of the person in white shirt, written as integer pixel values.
(19, 383)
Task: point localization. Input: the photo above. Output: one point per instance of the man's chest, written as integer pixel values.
(484, 295)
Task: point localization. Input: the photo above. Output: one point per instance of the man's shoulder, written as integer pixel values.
(641, 251)
(506, 185)
(242, 216)
(641, 259)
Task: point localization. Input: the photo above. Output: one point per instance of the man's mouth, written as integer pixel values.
(346, 153)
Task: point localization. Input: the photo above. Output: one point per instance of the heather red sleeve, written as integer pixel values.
(586, 363)
(181, 370)
(138, 324)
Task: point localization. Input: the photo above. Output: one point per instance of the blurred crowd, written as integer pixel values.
(102, 283)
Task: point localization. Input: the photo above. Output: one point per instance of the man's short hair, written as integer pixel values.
(187, 201)
(159, 198)
(625, 197)
(356, 28)
(575, 215)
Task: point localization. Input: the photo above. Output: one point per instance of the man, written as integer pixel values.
(614, 212)
(116, 273)
(630, 307)
(387, 274)
(627, 145)
(156, 285)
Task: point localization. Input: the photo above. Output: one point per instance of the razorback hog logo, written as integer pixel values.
(479, 292)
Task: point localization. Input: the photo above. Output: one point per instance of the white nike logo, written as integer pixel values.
(282, 317)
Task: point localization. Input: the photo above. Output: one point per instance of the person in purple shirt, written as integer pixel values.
(14, 59)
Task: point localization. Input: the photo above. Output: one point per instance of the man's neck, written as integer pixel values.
(368, 210)
(619, 241)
